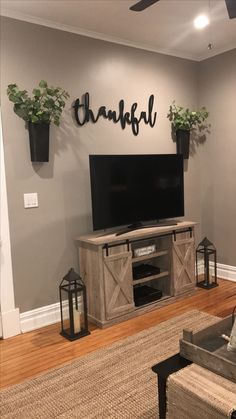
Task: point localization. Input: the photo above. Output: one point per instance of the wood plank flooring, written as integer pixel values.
(33, 353)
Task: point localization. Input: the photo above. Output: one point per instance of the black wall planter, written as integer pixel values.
(182, 141)
(39, 141)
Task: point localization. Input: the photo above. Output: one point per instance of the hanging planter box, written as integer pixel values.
(45, 104)
(39, 141)
(183, 142)
(182, 122)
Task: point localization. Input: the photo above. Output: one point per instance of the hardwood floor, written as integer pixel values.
(33, 353)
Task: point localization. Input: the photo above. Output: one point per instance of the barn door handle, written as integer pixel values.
(106, 248)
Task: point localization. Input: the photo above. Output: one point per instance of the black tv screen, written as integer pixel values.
(129, 189)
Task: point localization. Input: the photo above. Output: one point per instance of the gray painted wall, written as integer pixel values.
(42, 238)
(217, 82)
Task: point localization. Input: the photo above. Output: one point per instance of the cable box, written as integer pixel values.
(146, 294)
(145, 269)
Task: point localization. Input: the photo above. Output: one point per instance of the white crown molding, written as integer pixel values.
(90, 34)
(109, 38)
(215, 52)
(44, 316)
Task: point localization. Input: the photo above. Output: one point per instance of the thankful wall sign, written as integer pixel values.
(84, 114)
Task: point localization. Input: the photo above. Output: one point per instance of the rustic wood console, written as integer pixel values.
(107, 265)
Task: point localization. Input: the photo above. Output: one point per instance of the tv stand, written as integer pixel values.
(107, 265)
(139, 226)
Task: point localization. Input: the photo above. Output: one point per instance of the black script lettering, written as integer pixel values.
(124, 118)
(134, 120)
(127, 118)
(121, 114)
(77, 106)
(84, 114)
(87, 112)
(111, 115)
(144, 117)
(102, 112)
(150, 107)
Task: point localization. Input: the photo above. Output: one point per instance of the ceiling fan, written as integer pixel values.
(143, 4)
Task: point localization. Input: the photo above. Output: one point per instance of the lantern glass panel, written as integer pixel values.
(78, 310)
(65, 318)
(204, 262)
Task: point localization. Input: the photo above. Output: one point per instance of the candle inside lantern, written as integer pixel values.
(77, 326)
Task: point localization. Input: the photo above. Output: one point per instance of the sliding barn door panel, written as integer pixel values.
(183, 264)
(118, 285)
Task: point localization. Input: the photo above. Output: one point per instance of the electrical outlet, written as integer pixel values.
(31, 200)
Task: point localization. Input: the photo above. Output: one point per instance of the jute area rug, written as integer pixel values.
(196, 392)
(115, 382)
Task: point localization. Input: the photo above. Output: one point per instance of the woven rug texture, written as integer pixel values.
(115, 382)
(199, 391)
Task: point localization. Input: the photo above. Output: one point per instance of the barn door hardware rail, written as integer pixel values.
(128, 242)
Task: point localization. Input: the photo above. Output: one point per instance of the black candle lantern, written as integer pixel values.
(207, 250)
(73, 304)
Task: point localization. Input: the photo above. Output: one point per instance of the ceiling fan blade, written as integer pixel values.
(142, 4)
(231, 7)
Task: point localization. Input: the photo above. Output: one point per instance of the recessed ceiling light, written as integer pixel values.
(201, 21)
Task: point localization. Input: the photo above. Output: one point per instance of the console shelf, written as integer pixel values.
(154, 304)
(150, 278)
(150, 256)
(106, 265)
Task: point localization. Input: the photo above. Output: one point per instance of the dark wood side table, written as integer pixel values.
(163, 370)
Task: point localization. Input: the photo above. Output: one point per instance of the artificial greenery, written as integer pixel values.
(45, 105)
(185, 119)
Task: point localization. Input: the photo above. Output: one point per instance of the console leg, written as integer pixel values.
(162, 397)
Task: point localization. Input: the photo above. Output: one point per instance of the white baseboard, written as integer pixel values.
(44, 316)
(226, 272)
(40, 317)
(223, 271)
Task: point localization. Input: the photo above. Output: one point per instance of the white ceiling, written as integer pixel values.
(166, 26)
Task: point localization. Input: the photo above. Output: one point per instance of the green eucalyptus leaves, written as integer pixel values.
(45, 105)
(184, 118)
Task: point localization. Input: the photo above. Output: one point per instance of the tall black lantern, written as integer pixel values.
(207, 251)
(73, 304)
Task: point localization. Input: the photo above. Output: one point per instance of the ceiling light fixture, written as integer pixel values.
(201, 21)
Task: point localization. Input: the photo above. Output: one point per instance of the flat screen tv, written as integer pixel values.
(135, 189)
